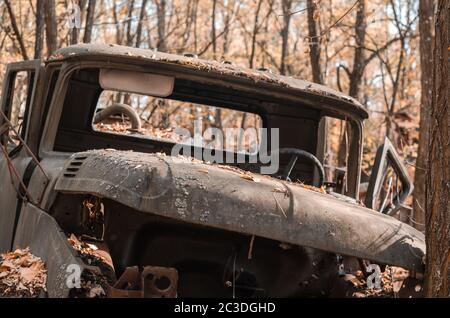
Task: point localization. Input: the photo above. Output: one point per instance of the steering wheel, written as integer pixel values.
(118, 108)
(296, 153)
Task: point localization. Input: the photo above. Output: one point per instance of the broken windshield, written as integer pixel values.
(168, 119)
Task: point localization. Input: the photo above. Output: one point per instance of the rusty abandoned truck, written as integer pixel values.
(86, 143)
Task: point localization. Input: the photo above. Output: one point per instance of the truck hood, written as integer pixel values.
(231, 199)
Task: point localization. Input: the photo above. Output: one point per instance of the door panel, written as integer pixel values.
(17, 100)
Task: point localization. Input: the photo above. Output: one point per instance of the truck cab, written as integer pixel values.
(88, 140)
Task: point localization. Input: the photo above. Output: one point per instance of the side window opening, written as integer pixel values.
(16, 108)
(336, 152)
(48, 100)
(18, 103)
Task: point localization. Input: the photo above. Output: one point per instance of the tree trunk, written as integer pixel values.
(129, 23)
(141, 20)
(39, 39)
(194, 18)
(50, 26)
(213, 29)
(314, 47)
(314, 57)
(356, 75)
(19, 38)
(438, 176)
(286, 8)
(359, 58)
(226, 34)
(161, 13)
(254, 34)
(426, 64)
(75, 32)
(89, 21)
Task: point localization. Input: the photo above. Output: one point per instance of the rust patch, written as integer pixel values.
(151, 282)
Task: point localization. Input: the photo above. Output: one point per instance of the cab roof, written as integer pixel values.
(296, 86)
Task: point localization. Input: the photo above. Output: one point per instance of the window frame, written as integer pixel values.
(333, 107)
(33, 69)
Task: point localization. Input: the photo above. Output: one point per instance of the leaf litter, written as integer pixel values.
(99, 274)
(22, 275)
(394, 281)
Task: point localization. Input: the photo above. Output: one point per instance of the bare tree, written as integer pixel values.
(395, 75)
(119, 31)
(314, 41)
(74, 34)
(314, 57)
(356, 74)
(39, 38)
(426, 64)
(129, 23)
(359, 63)
(286, 6)
(254, 34)
(161, 14)
(141, 20)
(89, 21)
(213, 29)
(226, 36)
(194, 18)
(18, 35)
(50, 26)
(189, 19)
(438, 176)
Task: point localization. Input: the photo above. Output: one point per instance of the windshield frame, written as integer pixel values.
(259, 88)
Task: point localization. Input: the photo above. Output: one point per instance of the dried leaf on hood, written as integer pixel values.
(249, 176)
(279, 190)
(313, 188)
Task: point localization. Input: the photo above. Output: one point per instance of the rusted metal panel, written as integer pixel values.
(219, 197)
(151, 282)
(39, 231)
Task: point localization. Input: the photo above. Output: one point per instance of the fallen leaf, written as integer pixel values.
(352, 279)
(8, 264)
(285, 246)
(396, 286)
(313, 188)
(28, 274)
(284, 191)
(96, 291)
(248, 176)
(92, 246)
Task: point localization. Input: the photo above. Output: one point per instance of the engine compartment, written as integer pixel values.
(209, 262)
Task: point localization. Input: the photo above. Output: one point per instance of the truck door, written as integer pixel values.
(17, 99)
